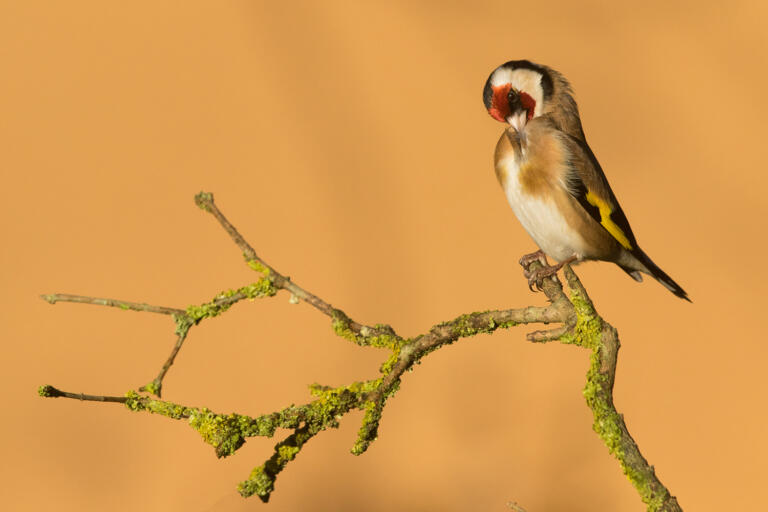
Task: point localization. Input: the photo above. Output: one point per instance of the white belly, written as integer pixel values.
(541, 218)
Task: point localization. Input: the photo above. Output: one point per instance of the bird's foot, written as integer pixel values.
(527, 259)
(536, 277)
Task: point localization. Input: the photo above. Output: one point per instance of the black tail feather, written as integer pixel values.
(659, 274)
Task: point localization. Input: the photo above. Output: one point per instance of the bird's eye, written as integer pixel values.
(513, 97)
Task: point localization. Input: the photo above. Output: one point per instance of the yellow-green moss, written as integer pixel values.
(153, 387)
(137, 402)
(334, 402)
(588, 329)
(607, 423)
(381, 336)
(257, 266)
(261, 288)
(340, 324)
(387, 366)
(224, 433)
(183, 324)
(227, 432)
(261, 481)
(201, 200)
(472, 324)
(258, 483)
(369, 429)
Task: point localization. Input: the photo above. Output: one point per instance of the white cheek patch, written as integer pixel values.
(501, 76)
(525, 80)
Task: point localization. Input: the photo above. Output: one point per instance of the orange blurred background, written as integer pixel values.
(348, 143)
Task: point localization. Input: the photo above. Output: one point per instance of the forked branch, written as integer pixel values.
(578, 324)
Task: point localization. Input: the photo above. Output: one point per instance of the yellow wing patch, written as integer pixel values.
(607, 222)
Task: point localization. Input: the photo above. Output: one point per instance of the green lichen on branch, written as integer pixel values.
(224, 300)
(332, 403)
(203, 199)
(183, 324)
(154, 387)
(393, 358)
(261, 481)
(257, 266)
(46, 391)
(381, 336)
(609, 425)
(137, 402)
(225, 432)
(591, 332)
(319, 415)
(369, 430)
(587, 332)
(588, 326)
(472, 324)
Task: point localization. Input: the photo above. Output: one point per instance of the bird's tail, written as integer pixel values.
(654, 270)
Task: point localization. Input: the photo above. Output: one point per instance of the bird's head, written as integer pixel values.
(517, 92)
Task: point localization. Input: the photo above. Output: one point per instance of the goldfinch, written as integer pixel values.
(552, 179)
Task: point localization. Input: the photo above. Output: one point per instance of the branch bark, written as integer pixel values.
(573, 311)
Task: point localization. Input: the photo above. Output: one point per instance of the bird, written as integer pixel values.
(552, 179)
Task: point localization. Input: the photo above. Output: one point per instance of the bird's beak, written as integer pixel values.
(518, 120)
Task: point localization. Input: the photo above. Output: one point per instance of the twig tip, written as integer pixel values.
(48, 391)
(204, 200)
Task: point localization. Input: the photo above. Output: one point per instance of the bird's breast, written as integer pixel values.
(532, 181)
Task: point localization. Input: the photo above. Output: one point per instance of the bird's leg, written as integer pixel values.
(537, 276)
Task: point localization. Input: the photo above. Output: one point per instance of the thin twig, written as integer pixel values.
(156, 386)
(52, 392)
(205, 201)
(115, 303)
(183, 319)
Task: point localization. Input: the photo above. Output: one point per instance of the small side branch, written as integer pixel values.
(204, 200)
(53, 298)
(51, 392)
(184, 319)
(156, 385)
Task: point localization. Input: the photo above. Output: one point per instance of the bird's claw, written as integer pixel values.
(527, 259)
(536, 277)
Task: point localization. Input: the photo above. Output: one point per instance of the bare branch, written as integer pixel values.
(122, 304)
(184, 319)
(52, 392)
(156, 385)
(205, 201)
